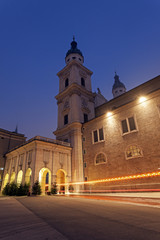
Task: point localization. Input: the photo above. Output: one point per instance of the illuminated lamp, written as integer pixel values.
(109, 114)
(142, 99)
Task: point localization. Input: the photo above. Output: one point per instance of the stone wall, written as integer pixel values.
(146, 138)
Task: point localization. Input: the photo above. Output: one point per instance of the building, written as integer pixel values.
(43, 159)
(8, 140)
(100, 145)
(124, 140)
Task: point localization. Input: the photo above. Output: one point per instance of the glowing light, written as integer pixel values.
(142, 175)
(120, 190)
(142, 99)
(109, 114)
(19, 177)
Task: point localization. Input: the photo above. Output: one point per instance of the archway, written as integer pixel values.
(28, 176)
(6, 180)
(19, 177)
(12, 179)
(45, 180)
(61, 179)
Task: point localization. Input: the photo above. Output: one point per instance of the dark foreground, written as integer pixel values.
(76, 218)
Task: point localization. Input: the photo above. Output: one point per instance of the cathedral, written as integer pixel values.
(100, 145)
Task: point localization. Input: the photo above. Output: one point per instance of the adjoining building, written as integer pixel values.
(100, 145)
(43, 159)
(124, 140)
(8, 140)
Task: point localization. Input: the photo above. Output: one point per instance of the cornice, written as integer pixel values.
(72, 63)
(69, 127)
(74, 88)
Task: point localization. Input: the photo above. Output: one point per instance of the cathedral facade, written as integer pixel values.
(100, 145)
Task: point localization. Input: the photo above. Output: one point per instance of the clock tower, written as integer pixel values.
(75, 102)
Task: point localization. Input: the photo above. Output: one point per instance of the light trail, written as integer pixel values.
(142, 175)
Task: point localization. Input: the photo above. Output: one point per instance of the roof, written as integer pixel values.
(3, 131)
(42, 139)
(117, 83)
(129, 96)
(74, 48)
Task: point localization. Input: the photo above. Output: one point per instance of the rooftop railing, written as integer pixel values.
(51, 141)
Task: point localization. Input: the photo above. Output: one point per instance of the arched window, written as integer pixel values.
(28, 176)
(19, 177)
(85, 117)
(100, 158)
(83, 82)
(12, 179)
(133, 152)
(66, 82)
(66, 119)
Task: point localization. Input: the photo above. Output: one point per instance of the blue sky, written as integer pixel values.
(121, 35)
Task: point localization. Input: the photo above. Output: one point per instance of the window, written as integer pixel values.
(128, 125)
(100, 158)
(85, 179)
(66, 83)
(85, 164)
(79, 59)
(85, 117)
(66, 119)
(19, 177)
(83, 82)
(98, 135)
(73, 57)
(101, 137)
(133, 152)
(95, 135)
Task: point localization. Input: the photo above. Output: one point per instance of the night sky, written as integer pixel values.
(113, 35)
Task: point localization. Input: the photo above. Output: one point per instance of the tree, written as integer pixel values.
(13, 189)
(26, 188)
(6, 189)
(36, 188)
(20, 191)
(54, 189)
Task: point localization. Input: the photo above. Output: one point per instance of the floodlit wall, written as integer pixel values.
(24, 164)
(130, 144)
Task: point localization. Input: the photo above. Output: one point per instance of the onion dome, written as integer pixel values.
(74, 48)
(118, 87)
(74, 53)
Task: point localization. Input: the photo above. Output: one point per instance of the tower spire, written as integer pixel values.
(74, 53)
(118, 87)
(16, 129)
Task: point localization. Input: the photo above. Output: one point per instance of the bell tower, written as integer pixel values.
(118, 87)
(75, 102)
